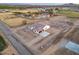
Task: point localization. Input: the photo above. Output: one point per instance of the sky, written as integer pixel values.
(33, 3)
(39, 1)
(47, 3)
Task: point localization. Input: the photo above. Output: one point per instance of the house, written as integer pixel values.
(39, 27)
(46, 27)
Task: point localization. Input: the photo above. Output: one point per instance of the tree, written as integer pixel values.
(24, 22)
(18, 13)
(2, 43)
(50, 12)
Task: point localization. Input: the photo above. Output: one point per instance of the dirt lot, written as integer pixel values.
(37, 44)
(74, 35)
(27, 34)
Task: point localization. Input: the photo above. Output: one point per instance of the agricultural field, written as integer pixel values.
(69, 13)
(24, 10)
(4, 16)
(7, 7)
(15, 22)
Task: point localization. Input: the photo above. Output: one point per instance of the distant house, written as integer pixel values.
(43, 16)
(4, 10)
(39, 27)
(77, 23)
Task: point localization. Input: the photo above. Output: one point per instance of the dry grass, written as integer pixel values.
(15, 22)
(25, 11)
(6, 15)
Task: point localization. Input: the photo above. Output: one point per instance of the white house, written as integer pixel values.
(46, 27)
(39, 27)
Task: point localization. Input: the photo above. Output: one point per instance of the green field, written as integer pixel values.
(12, 6)
(6, 7)
(69, 13)
(2, 43)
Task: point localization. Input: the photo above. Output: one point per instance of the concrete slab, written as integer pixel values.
(72, 46)
(44, 34)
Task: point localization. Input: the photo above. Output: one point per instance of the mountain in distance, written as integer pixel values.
(71, 5)
(34, 5)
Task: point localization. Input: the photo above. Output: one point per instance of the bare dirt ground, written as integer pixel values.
(39, 45)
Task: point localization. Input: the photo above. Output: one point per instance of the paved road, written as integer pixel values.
(21, 49)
